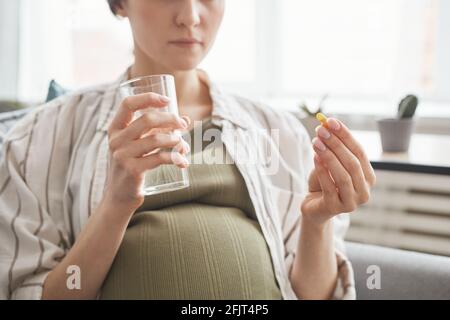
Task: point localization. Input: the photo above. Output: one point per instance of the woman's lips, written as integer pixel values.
(186, 43)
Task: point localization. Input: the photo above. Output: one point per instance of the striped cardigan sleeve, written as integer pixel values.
(30, 239)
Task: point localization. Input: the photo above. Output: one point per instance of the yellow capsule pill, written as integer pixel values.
(322, 118)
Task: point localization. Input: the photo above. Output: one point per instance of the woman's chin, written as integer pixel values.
(184, 64)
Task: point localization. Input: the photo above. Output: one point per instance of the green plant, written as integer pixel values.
(304, 107)
(407, 107)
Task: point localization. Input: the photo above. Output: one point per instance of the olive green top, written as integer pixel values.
(201, 242)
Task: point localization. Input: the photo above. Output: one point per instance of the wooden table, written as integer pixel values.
(427, 153)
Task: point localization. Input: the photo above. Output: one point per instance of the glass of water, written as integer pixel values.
(164, 178)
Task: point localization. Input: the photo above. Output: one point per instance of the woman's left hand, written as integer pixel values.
(342, 178)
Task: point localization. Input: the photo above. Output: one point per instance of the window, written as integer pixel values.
(344, 48)
(365, 54)
(76, 42)
(358, 51)
(235, 45)
(80, 43)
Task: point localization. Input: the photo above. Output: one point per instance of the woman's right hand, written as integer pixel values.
(128, 145)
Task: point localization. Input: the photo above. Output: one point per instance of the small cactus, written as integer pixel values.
(407, 107)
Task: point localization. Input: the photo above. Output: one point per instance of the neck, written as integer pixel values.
(190, 89)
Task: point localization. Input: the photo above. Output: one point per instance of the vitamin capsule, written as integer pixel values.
(322, 118)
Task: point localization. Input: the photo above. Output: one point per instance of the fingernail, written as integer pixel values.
(183, 147)
(188, 147)
(185, 161)
(319, 144)
(184, 124)
(333, 124)
(324, 133)
(179, 159)
(164, 99)
(187, 119)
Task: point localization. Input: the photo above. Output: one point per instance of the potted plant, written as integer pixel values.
(395, 133)
(309, 120)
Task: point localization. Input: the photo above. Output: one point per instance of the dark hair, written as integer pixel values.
(113, 4)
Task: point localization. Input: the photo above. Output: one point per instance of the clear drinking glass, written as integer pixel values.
(169, 177)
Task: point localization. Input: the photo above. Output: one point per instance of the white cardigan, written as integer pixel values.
(54, 167)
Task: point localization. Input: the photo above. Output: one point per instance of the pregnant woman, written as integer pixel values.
(74, 225)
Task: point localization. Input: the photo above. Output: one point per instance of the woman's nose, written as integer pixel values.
(189, 14)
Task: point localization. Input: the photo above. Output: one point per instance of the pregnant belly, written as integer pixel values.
(192, 251)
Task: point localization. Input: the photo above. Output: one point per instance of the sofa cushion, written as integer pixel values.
(11, 117)
(55, 90)
(403, 274)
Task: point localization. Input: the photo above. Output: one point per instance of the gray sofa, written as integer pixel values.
(404, 274)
